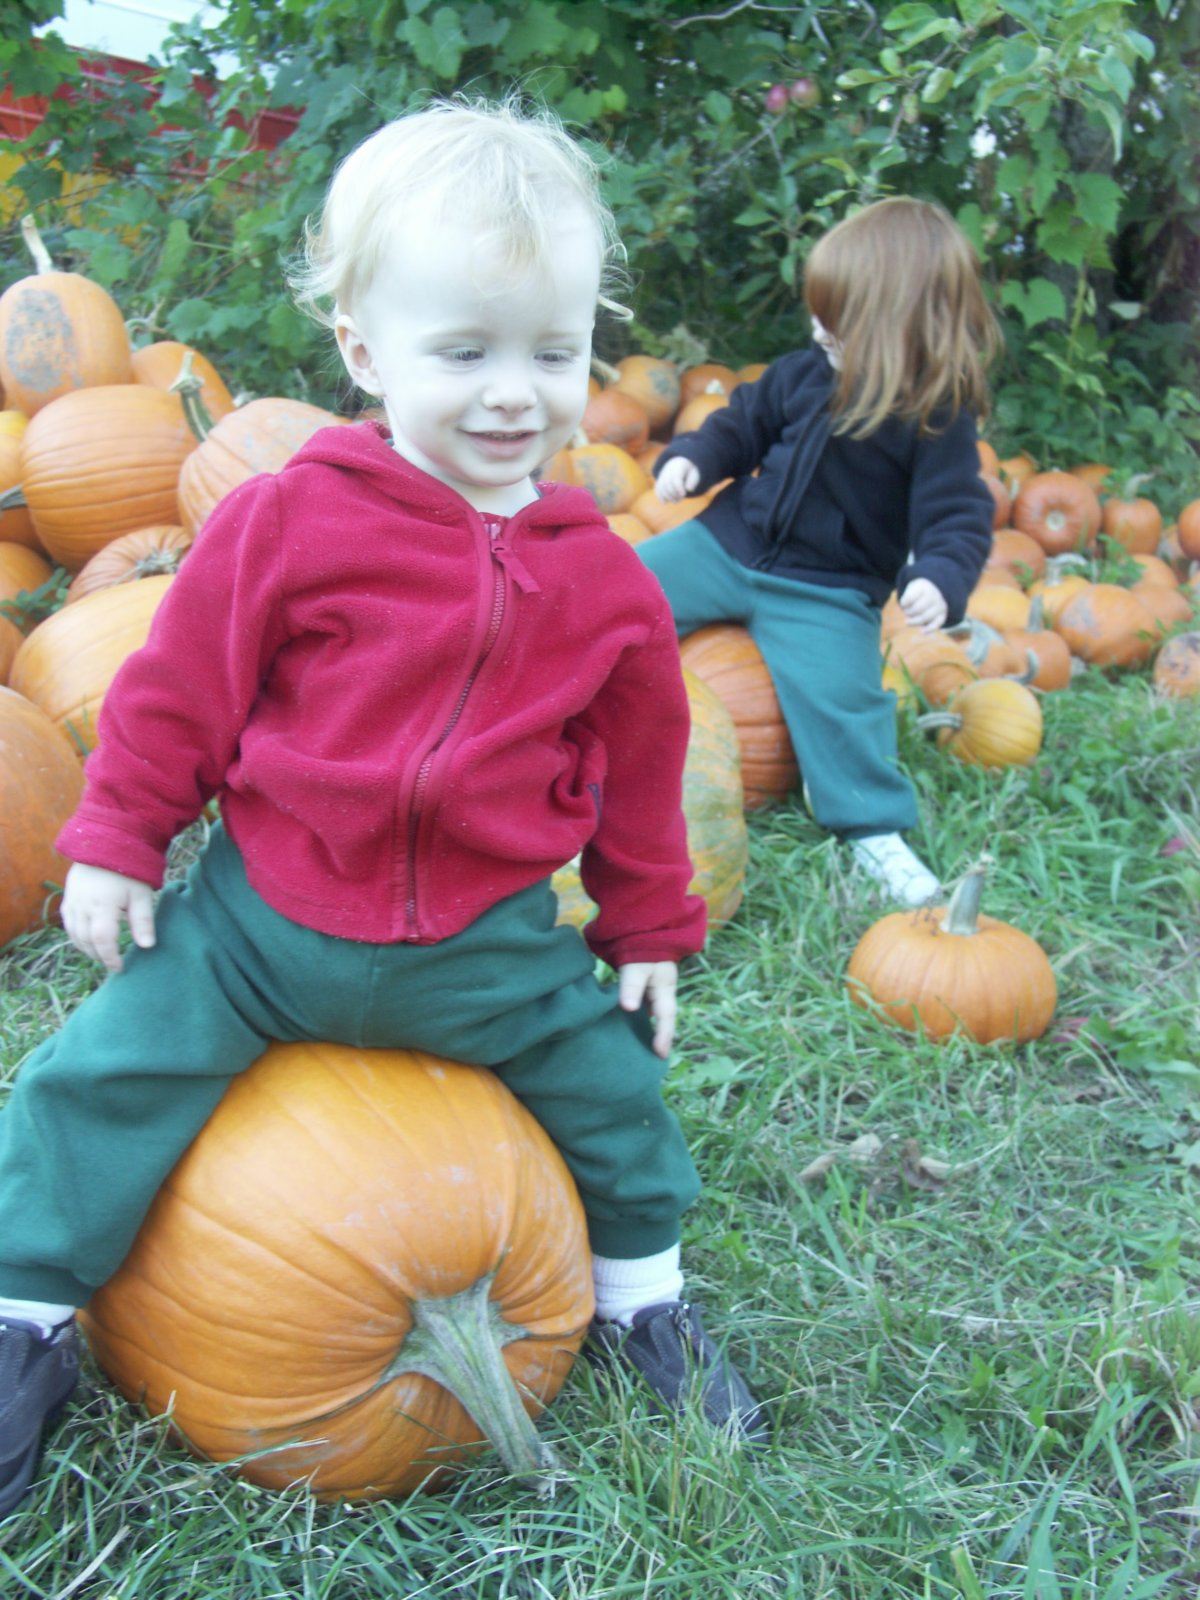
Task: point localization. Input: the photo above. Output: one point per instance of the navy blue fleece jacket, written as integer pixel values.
(829, 509)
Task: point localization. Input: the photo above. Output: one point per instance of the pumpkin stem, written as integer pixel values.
(962, 915)
(603, 370)
(14, 498)
(35, 245)
(187, 386)
(457, 1341)
(979, 637)
(1037, 615)
(939, 719)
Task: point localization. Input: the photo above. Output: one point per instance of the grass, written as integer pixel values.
(977, 1316)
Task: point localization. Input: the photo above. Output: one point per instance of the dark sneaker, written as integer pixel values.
(37, 1373)
(668, 1347)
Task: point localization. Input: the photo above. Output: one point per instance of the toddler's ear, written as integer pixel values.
(356, 358)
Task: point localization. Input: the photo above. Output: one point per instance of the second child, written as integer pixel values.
(855, 471)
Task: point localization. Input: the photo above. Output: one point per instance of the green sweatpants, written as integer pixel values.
(822, 648)
(101, 1112)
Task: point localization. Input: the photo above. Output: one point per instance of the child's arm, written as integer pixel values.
(171, 719)
(636, 866)
(734, 440)
(949, 515)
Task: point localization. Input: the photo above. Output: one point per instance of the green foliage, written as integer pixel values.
(1060, 132)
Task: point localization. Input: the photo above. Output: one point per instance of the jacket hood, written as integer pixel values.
(365, 449)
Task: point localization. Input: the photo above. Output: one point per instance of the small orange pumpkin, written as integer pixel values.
(707, 378)
(946, 968)
(659, 516)
(1135, 525)
(11, 640)
(632, 529)
(16, 525)
(1001, 499)
(1018, 552)
(22, 570)
(653, 383)
(614, 417)
(695, 412)
(144, 553)
(996, 722)
(1167, 604)
(999, 607)
(1107, 626)
(1187, 528)
(1059, 510)
(934, 663)
(610, 475)
(1177, 668)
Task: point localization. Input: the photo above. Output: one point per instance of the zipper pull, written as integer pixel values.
(508, 557)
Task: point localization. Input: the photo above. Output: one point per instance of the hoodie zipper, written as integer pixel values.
(493, 527)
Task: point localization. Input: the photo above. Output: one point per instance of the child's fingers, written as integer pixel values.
(631, 986)
(663, 1010)
(141, 918)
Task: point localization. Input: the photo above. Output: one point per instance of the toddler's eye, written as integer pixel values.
(557, 358)
(463, 356)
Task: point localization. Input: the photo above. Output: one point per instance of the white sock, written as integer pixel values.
(42, 1313)
(625, 1286)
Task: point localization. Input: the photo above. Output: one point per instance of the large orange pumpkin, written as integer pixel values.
(59, 331)
(40, 785)
(1168, 605)
(946, 968)
(712, 807)
(1059, 510)
(729, 661)
(100, 462)
(262, 436)
(354, 1238)
(67, 663)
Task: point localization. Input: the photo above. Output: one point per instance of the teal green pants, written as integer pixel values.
(101, 1112)
(821, 646)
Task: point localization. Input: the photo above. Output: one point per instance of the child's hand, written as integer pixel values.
(924, 604)
(653, 980)
(678, 477)
(94, 901)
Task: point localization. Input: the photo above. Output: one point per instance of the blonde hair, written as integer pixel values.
(898, 284)
(503, 168)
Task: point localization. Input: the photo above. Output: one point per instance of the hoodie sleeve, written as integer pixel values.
(949, 513)
(173, 715)
(735, 438)
(636, 865)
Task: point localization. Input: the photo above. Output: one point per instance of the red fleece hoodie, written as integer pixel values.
(408, 710)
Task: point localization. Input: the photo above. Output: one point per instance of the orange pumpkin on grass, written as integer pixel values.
(1107, 626)
(1168, 605)
(614, 417)
(1001, 608)
(40, 785)
(1177, 666)
(1057, 589)
(948, 968)
(1018, 552)
(429, 1276)
(996, 722)
(935, 663)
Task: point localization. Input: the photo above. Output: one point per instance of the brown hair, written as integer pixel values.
(898, 284)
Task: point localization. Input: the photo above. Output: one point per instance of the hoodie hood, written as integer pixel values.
(364, 448)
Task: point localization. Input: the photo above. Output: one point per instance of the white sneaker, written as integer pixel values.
(886, 858)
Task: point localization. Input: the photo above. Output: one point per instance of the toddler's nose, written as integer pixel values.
(510, 389)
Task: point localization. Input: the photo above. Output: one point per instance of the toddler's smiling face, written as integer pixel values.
(483, 374)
